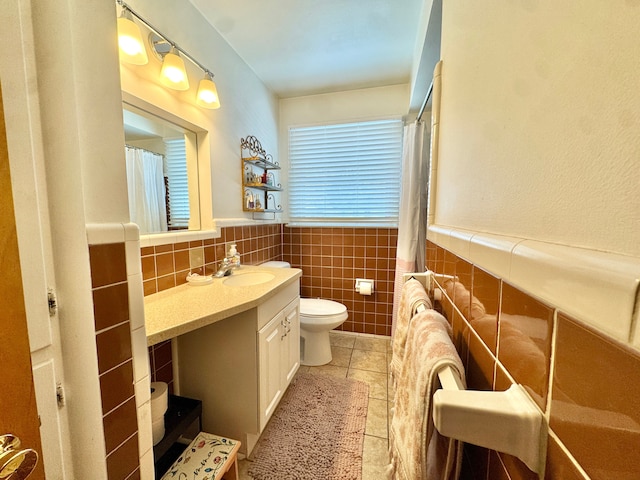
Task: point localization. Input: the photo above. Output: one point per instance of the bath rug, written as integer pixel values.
(317, 432)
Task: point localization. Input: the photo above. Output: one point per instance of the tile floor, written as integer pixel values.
(363, 357)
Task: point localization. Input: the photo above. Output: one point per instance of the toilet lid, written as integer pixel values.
(316, 307)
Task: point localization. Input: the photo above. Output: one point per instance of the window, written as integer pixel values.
(175, 172)
(345, 173)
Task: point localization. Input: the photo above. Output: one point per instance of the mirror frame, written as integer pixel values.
(199, 177)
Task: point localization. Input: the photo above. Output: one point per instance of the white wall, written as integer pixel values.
(352, 105)
(539, 121)
(247, 106)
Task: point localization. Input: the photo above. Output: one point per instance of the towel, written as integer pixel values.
(413, 293)
(417, 450)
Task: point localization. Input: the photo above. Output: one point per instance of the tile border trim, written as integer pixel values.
(601, 289)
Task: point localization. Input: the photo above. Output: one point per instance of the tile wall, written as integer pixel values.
(332, 258)
(585, 382)
(115, 359)
(165, 266)
(161, 363)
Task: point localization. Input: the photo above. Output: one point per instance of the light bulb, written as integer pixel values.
(173, 73)
(208, 93)
(130, 40)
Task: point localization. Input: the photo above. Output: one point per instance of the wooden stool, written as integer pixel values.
(208, 457)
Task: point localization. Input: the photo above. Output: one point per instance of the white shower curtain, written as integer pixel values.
(145, 182)
(412, 218)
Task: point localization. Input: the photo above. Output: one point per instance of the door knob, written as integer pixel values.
(15, 464)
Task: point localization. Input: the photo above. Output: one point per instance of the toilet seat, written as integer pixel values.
(325, 310)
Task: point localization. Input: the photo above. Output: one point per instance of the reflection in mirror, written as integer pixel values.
(158, 155)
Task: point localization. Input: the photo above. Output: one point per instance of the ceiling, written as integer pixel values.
(304, 47)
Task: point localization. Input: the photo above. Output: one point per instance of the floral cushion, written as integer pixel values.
(204, 459)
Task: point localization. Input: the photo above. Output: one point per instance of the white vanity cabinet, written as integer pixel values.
(241, 366)
(279, 358)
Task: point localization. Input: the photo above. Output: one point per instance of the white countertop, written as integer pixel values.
(186, 308)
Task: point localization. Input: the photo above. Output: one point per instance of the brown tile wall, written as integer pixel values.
(162, 363)
(332, 258)
(505, 336)
(115, 362)
(166, 266)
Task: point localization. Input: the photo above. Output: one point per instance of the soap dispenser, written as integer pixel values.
(234, 256)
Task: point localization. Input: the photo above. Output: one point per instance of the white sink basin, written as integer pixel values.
(248, 279)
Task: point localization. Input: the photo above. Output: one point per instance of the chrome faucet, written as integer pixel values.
(226, 266)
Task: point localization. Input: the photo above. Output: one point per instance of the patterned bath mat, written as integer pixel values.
(317, 432)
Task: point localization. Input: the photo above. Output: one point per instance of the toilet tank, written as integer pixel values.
(276, 264)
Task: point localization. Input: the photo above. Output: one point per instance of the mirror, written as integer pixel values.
(162, 172)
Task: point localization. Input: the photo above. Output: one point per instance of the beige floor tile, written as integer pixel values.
(342, 339)
(329, 370)
(377, 382)
(371, 343)
(369, 360)
(375, 458)
(341, 356)
(377, 418)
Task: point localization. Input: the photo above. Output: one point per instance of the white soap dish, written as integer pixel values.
(197, 279)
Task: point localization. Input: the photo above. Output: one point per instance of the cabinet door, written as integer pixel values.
(270, 340)
(291, 342)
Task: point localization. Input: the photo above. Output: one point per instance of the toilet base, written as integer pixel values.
(315, 348)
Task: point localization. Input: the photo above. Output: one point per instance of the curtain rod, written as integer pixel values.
(133, 147)
(426, 100)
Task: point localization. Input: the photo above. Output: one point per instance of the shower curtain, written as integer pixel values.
(412, 218)
(145, 183)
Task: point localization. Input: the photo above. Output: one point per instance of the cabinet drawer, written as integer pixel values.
(270, 308)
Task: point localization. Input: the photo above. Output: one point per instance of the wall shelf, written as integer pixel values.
(258, 180)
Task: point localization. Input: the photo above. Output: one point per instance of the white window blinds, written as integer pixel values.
(175, 171)
(345, 173)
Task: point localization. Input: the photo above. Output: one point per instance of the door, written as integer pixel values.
(18, 412)
(291, 347)
(270, 340)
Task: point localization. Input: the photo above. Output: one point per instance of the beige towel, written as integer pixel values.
(413, 293)
(417, 450)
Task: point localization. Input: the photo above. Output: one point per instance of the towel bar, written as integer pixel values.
(508, 421)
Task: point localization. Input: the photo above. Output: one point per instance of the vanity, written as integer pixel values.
(238, 345)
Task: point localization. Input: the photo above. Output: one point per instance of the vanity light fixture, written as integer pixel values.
(207, 92)
(130, 40)
(173, 72)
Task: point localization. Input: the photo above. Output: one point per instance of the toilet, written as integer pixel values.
(317, 318)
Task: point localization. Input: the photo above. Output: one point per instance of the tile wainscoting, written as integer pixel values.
(166, 266)
(121, 349)
(585, 381)
(332, 258)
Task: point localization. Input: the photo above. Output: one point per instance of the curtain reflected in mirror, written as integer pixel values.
(147, 192)
(157, 175)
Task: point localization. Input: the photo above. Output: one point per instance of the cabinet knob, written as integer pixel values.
(15, 464)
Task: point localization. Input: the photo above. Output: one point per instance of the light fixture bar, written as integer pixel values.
(172, 43)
